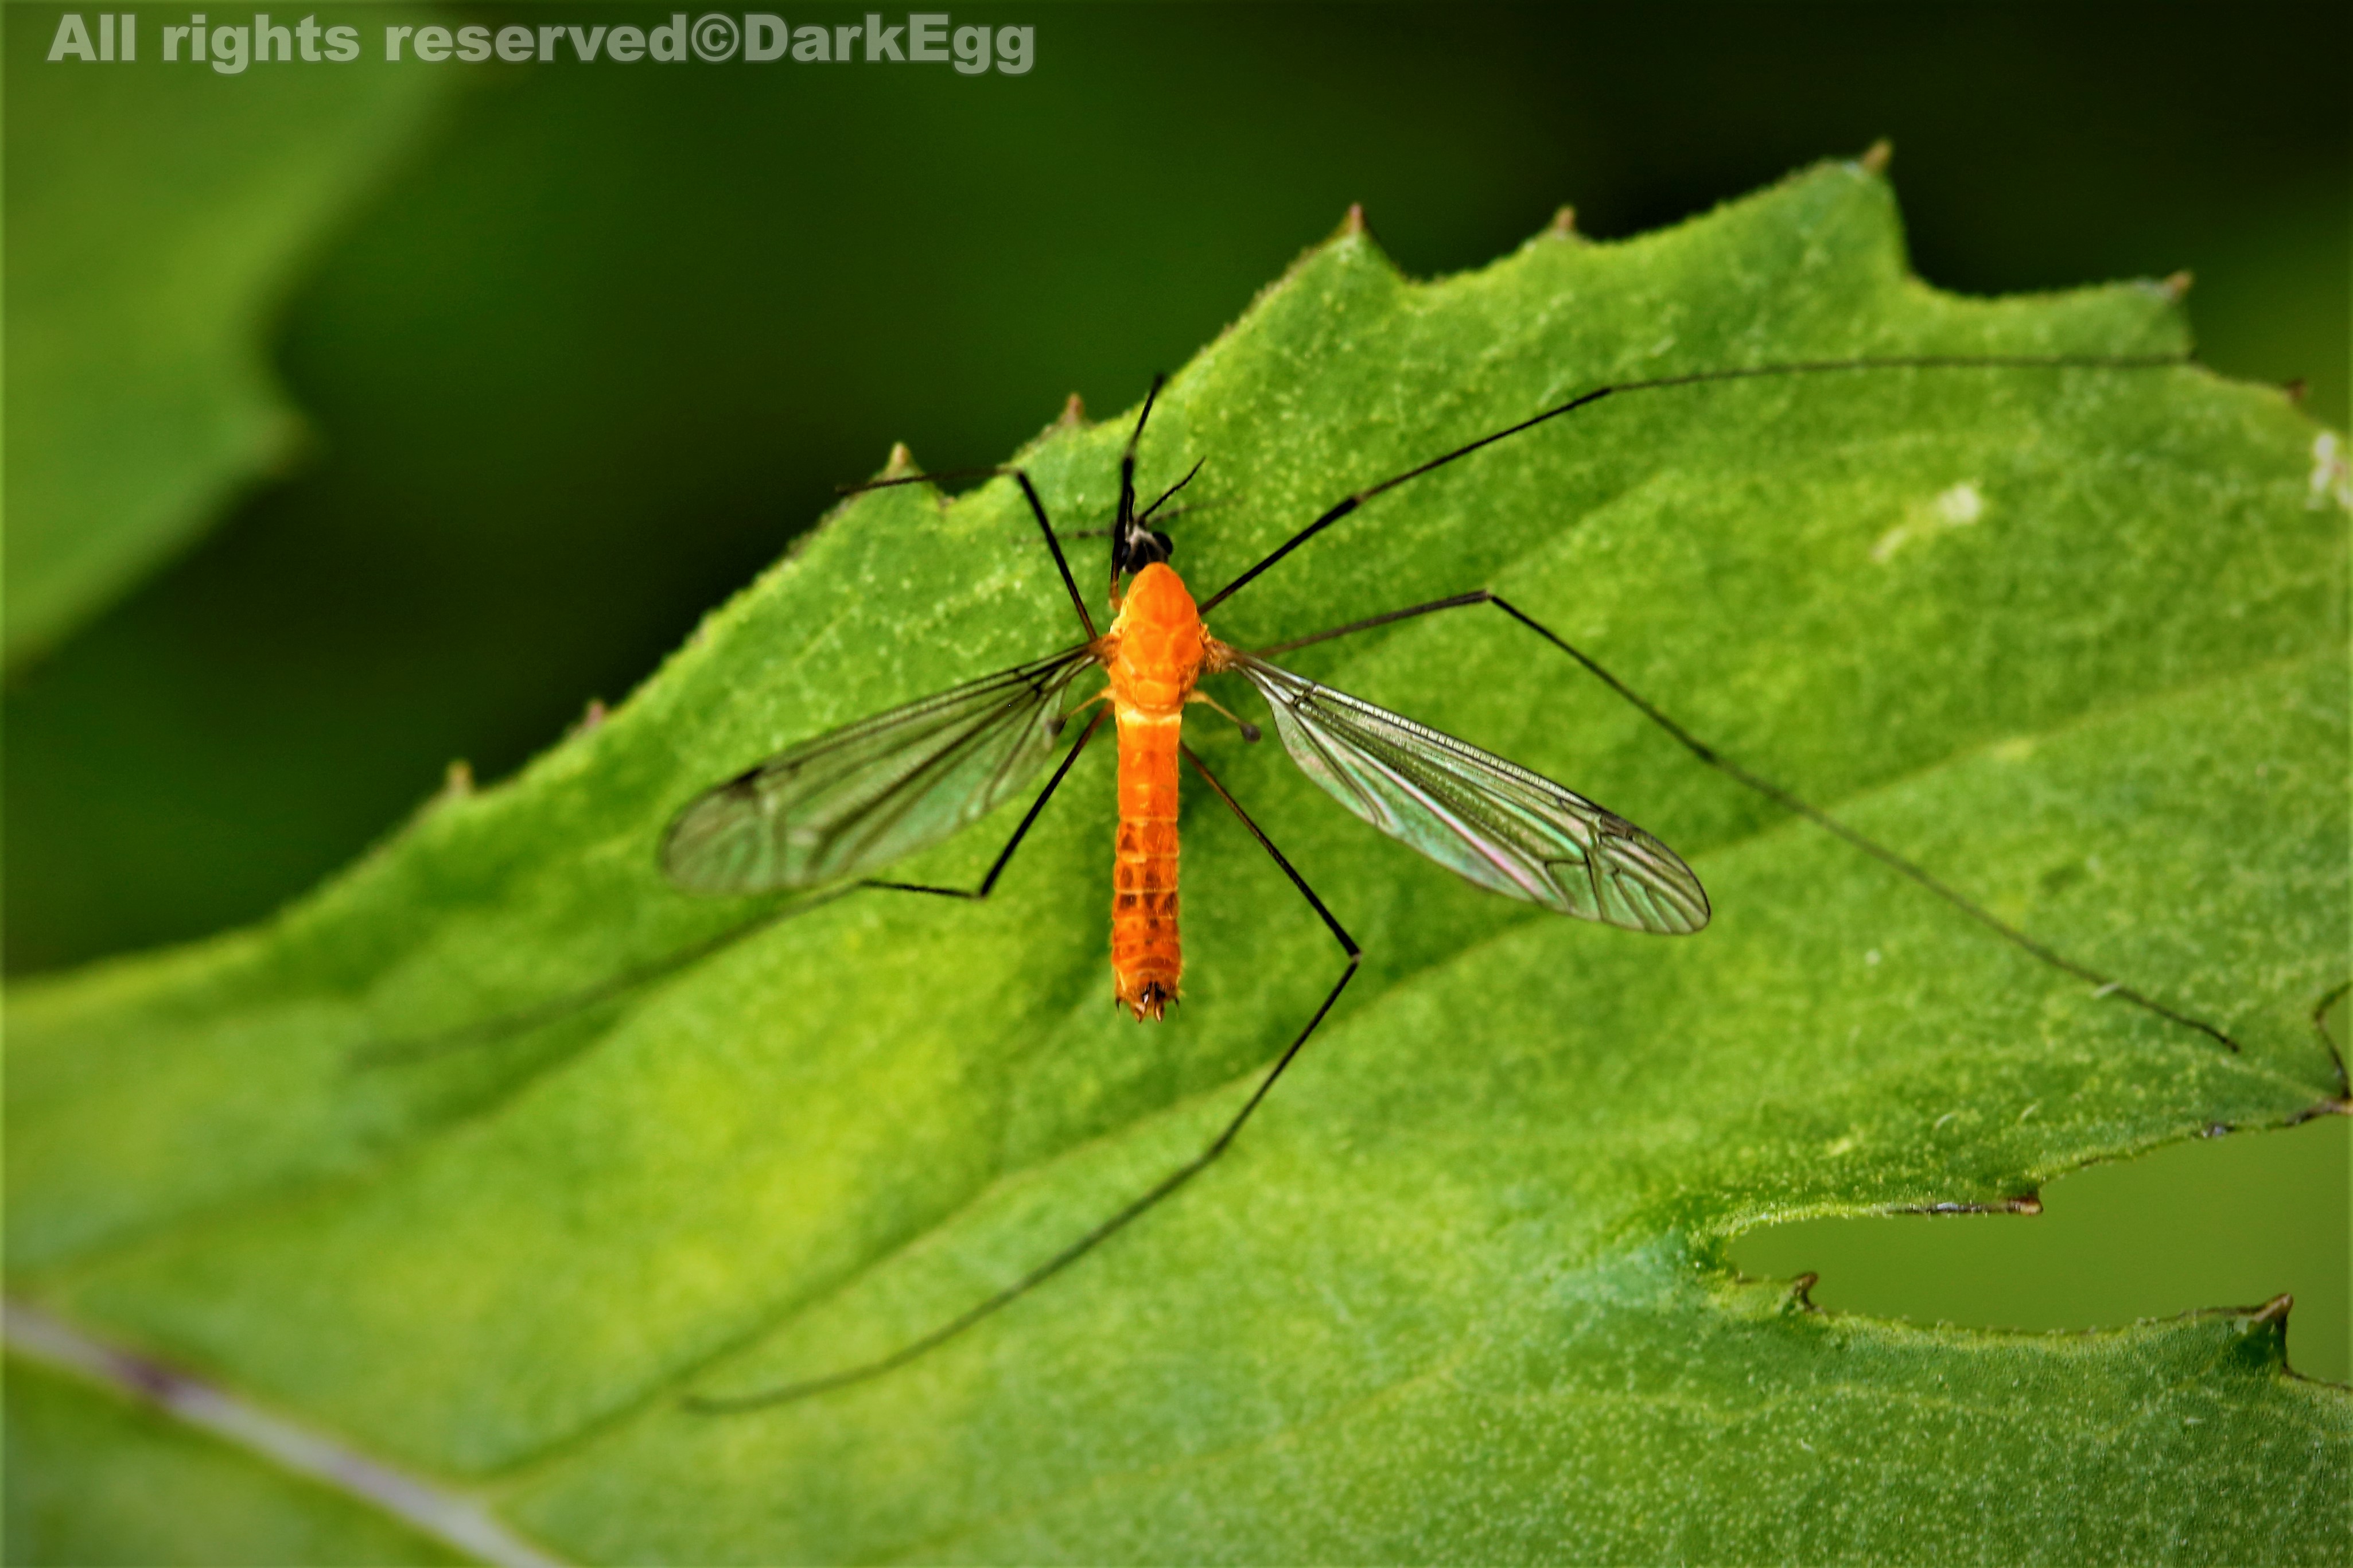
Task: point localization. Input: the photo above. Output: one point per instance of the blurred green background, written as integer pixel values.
(577, 348)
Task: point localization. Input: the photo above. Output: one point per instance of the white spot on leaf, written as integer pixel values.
(1960, 506)
(2331, 479)
(1956, 507)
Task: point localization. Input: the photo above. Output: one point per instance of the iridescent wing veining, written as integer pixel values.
(1477, 815)
(852, 800)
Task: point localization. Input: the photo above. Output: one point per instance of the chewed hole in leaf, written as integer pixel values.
(2244, 1217)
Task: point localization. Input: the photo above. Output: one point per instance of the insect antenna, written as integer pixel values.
(1145, 516)
(1173, 514)
(1134, 1209)
(1693, 378)
(1133, 545)
(1126, 513)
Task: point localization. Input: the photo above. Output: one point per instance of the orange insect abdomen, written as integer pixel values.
(1156, 648)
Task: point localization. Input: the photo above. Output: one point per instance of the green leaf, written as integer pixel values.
(2072, 639)
(156, 215)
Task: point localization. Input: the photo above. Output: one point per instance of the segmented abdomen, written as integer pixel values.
(1147, 957)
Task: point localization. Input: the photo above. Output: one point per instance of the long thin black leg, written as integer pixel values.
(388, 1053)
(1583, 399)
(1476, 596)
(1136, 1208)
(996, 869)
(1331, 922)
(1037, 510)
(2106, 985)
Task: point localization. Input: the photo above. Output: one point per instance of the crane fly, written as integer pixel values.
(850, 802)
(834, 810)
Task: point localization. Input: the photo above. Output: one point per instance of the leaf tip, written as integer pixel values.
(901, 464)
(1877, 156)
(1355, 242)
(1563, 225)
(1073, 416)
(456, 784)
(591, 718)
(2175, 286)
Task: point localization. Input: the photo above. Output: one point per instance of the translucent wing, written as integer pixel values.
(857, 798)
(1487, 819)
